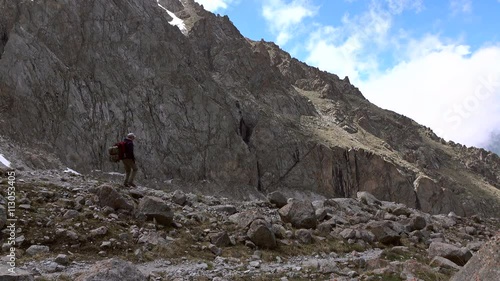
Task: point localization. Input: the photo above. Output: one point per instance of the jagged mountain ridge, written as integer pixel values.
(214, 105)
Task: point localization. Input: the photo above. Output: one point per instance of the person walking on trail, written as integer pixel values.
(129, 161)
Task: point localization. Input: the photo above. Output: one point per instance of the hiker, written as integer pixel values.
(129, 161)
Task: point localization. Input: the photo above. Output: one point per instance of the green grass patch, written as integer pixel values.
(327, 246)
(429, 275)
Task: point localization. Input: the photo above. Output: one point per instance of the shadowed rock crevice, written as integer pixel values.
(343, 182)
(4, 38)
(245, 131)
(259, 175)
(417, 202)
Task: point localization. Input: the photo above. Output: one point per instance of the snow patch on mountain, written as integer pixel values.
(4, 161)
(175, 20)
(71, 171)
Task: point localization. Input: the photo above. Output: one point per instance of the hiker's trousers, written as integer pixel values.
(130, 170)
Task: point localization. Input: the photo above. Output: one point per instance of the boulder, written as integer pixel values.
(261, 235)
(383, 232)
(277, 198)
(279, 231)
(400, 210)
(417, 222)
(444, 221)
(7, 274)
(365, 235)
(62, 259)
(153, 238)
(136, 194)
(71, 214)
(215, 250)
(300, 214)
(367, 198)
(484, 265)
(109, 196)
(304, 236)
(179, 197)
(112, 270)
(226, 209)
(474, 246)
(220, 239)
(348, 233)
(470, 230)
(325, 227)
(347, 207)
(321, 214)
(37, 249)
(100, 231)
(460, 256)
(244, 219)
(444, 263)
(151, 207)
(434, 198)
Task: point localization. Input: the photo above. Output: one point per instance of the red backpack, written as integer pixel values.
(117, 152)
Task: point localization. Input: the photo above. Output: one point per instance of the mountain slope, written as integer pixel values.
(211, 105)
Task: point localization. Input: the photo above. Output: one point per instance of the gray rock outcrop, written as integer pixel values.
(417, 222)
(367, 198)
(261, 235)
(151, 207)
(383, 232)
(37, 249)
(484, 265)
(460, 256)
(108, 196)
(220, 239)
(445, 263)
(245, 218)
(112, 270)
(277, 198)
(17, 275)
(300, 214)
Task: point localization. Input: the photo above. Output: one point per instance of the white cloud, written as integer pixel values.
(439, 83)
(454, 92)
(461, 6)
(214, 5)
(284, 18)
(343, 59)
(398, 6)
(351, 49)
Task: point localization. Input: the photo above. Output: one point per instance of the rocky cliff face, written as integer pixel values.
(211, 105)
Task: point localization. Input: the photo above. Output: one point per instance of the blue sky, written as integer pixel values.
(435, 61)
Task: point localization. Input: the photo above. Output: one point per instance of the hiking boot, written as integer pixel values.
(132, 184)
